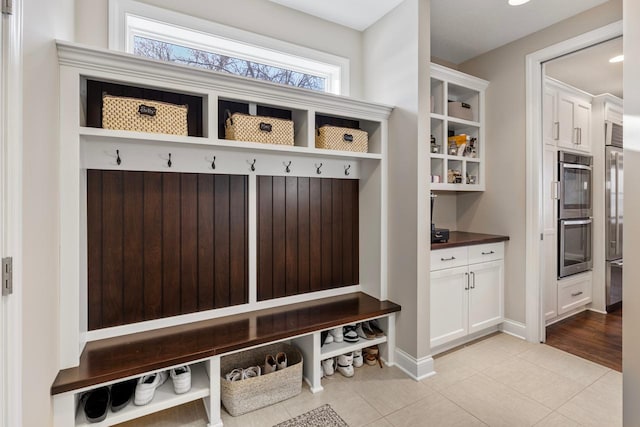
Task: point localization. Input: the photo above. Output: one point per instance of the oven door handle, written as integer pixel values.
(575, 166)
(578, 222)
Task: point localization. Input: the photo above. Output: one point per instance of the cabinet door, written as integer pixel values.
(486, 304)
(566, 131)
(549, 116)
(449, 305)
(582, 122)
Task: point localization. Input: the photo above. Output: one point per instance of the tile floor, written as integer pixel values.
(499, 381)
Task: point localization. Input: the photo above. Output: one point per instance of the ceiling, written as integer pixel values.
(590, 70)
(356, 14)
(460, 29)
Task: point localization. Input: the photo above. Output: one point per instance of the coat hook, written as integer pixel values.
(318, 169)
(253, 166)
(213, 163)
(118, 160)
(288, 167)
(169, 161)
(346, 170)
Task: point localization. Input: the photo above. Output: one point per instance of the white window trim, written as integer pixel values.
(128, 18)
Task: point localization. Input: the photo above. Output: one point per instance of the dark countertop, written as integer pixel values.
(463, 238)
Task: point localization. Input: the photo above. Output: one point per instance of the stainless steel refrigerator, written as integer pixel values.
(614, 214)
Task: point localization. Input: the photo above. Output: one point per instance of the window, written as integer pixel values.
(169, 36)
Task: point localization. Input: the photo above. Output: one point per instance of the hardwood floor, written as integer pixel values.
(592, 336)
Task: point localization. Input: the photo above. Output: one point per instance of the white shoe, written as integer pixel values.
(345, 364)
(181, 377)
(337, 334)
(327, 367)
(235, 375)
(358, 361)
(329, 338)
(281, 360)
(251, 372)
(146, 387)
(350, 333)
(269, 364)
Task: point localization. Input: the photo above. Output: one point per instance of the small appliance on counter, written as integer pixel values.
(438, 235)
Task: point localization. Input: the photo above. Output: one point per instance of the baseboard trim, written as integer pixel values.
(595, 310)
(418, 369)
(513, 328)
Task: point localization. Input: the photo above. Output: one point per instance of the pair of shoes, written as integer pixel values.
(271, 364)
(98, 401)
(364, 331)
(351, 333)
(325, 338)
(345, 364)
(240, 374)
(372, 355)
(373, 325)
(146, 387)
(335, 335)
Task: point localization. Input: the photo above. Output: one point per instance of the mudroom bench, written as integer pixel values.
(201, 345)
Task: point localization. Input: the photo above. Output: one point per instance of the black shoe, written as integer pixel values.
(121, 394)
(97, 404)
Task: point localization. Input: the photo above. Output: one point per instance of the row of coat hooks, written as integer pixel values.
(252, 164)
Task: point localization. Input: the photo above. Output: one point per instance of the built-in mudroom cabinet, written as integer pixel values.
(163, 231)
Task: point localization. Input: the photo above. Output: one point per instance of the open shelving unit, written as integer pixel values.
(449, 161)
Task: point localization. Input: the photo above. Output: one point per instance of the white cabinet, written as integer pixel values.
(550, 215)
(574, 292)
(457, 167)
(468, 298)
(567, 117)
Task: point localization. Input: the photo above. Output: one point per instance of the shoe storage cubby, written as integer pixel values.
(164, 398)
(447, 156)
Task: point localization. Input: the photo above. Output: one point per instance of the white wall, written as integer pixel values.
(44, 21)
(396, 72)
(258, 16)
(502, 208)
(631, 290)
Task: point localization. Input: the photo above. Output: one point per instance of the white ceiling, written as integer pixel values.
(356, 14)
(590, 70)
(464, 29)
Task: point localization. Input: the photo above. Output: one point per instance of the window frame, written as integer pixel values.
(129, 18)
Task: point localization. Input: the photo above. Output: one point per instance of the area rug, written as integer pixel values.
(323, 416)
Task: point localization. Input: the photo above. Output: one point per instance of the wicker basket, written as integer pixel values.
(344, 139)
(267, 130)
(240, 397)
(143, 115)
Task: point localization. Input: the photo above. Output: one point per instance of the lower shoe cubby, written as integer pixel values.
(164, 397)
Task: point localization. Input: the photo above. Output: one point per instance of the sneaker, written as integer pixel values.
(328, 338)
(251, 372)
(96, 404)
(269, 364)
(337, 334)
(350, 334)
(328, 367)
(281, 360)
(364, 331)
(146, 387)
(375, 327)
(345, 364)
(235, 375)
(181, 377)
(372, 355)
(121, 394)
(357, 358)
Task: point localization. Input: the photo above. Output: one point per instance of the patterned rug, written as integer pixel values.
(323, 416)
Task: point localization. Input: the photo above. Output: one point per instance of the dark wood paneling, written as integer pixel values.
(133, 247)
(307, 235)
(163, 244)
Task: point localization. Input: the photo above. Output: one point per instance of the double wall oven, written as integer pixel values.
(575, 210)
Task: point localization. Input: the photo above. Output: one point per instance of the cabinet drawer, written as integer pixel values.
(449, 258)
(574, 292)
(484, 253)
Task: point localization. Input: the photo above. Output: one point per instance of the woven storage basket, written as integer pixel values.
(268, 130)
(240, 397)
(143, 115)
(345, 139)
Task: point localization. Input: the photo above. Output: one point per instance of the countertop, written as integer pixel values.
(463, 238)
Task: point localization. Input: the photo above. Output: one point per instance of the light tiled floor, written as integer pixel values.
(499, 381)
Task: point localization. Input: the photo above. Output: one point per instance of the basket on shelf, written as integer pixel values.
(267, 130)
(240, 397)
(340, 138)
(142, 115)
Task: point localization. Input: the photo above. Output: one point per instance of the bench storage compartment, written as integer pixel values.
(240, 397)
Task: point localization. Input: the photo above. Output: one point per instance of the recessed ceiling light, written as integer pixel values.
(517, 2)
(618, 58)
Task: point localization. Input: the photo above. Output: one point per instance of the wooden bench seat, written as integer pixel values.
(114, 358)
